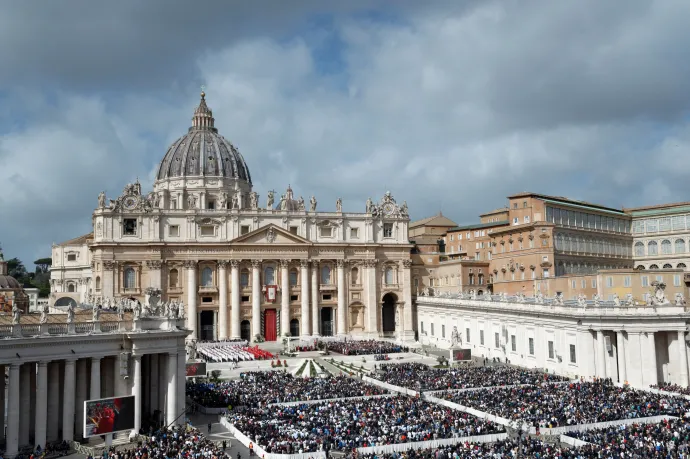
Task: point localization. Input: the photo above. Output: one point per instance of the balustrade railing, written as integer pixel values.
(90, 327)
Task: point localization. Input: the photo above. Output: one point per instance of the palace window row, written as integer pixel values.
(591, 245)
(664, 247)
(585, 220)
(659, 225)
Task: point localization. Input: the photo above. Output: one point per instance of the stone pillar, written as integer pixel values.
(41, 405)
(25, 403)
(372, 301)
(256, 298)
(235, 299)
(32, 418)
(649, 368)
(223, 299)
(408, 325)
(191, 298)
(601, 355)
(172, 389)
(137, 392)
(683, 356)
(162, 386)
(153, 383)
(181, 380)
(342, 301)
(95, 383)
(620, 349)
(12, 445)
(315, 309)
(304, 296)
(2, 403)
(285, 296)
(53, 401)
(82, 387)
(68, 401)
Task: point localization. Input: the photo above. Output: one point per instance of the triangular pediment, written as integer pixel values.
(270, 234)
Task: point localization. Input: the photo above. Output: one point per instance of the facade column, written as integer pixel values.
(256, 299)
(68, 401)
(601, 355)
(285, 296)
(172, 389)
(12, 442)
(342, 302)
(235, 299)
(191, 298)
(315, 309)
(372, 302)
(82, 387)
(41, 405)
(622, 364)
(223, 300)
(25, 403)
(53, 401)
(408, 325)
(683, 355)
(304, 296)
(137, 392)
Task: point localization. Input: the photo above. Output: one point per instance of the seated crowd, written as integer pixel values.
(668, 387)
(365, 347)
(550, 405)
(348, 424)
(260, 388)
(420, 377)
(174, 442)
(221, 351)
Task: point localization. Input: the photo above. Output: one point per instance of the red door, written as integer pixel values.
(270, 325)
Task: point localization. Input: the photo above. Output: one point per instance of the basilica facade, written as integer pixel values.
(241, 266)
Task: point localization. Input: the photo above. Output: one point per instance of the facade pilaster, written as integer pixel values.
(223, 299)
(171, 395)
(108, 281)
(235, 299)
(256, 299)
(621, 351)
(53, 401)
(304, 296)
(601, 355)
(13, 407)
(408, 325)
(683, 356)
(68, 401)
(285, 296)
(137, 392)
(25, 403)
(342, 302)
(41, 405)
(192, 315)
(315, 309)
(82, 387)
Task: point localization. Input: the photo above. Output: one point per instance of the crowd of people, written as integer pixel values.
(256, 389)
(348, 424)
(365, 347)
(226, 351)
(420, 377)
(555, 405)
(668, 387)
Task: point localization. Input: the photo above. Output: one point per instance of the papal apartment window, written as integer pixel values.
(573, 358)
(72, 257)
(129, 226)
(594, 283)
(627, 281)
(551, 352)
(481, 337)
(513, 343)
(531, 346)
(645, 281)
(676, 280)
(387, 230)
(174, 230)
(497, 340)
(244, 229)
(526, 218)
(609, 281)
(515, 221)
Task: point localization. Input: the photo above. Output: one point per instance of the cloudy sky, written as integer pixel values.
(450, 105)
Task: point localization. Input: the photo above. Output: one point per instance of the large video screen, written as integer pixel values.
(462, 354)
(196, 369)
(108, 415)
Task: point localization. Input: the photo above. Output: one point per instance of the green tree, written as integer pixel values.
(43, 265)
(16, 269)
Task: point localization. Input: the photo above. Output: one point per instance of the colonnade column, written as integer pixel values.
(153, 383)
(2, 403)
(256, 298)
(342, 307)
(41, 405)
(181, 380)
(136, 391)
(304, 296)
(95, 383)
(235, 299)
(683, 355)
(53, 401)
(285, 296)
(601, 355)
(25, 403)
(68, 401)
(315, 323)
(223, 299)
(172, 388)
(12, 441)
(622, 365)
(82, 387)
(191, 298)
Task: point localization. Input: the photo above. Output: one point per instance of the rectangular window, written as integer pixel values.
(432, 329)
(211, 205)
(573, 358)
(513, 343)
(678, 222)
(583, 283)
(387, 230)
(467, 333)
(207, 299)
(526, 219)
(443, 331)
(354, 233)
(244, 229)
(481, 337)
(609, 281)
(551, 352)
(594, 283)
(573, 284)
(546, 273)
(129, 227)
(173, 203)
(327, 297)
(497, 340)
(627, 281)
(294, 297)
(524, 204)
(645, 281)
(665, 224)
(638, 226)
(659, 278)
(174, 230)
(244, 279)
(516, 221)
(208, 230)
(652, 226)
(72, 257)
(531, 346)
(245, 298)
(294, 230)
(676, 280)
(421, 327)
(327, 231)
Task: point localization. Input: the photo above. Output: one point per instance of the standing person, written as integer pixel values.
(209, 427)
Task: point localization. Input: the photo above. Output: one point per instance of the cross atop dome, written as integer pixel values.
(203, 116)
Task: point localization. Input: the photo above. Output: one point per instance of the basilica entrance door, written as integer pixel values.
(270, 331)
(294, 327)
(206, 326)
(245, 331)
(326, 321)
(388, 313)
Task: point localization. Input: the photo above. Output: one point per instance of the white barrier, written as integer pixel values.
(260, 452)
(574, 442)
(312, 402)
(473, 412)
(473, 389)
(432, 443)
(391, 387)
(599, 425)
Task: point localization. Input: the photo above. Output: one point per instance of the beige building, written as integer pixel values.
(243, 269)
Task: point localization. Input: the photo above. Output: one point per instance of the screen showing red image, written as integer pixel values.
(108, 415)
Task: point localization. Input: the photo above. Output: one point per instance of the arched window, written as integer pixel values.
(354, 276)
(390, 276)
(481, 278)
(130, 278)
(269, 275)
(666, 247)
(98, 282)
(680, 246)
(326, 275)
(652, 248)
(681, 266)
(653, 267)
(244, 278)
(207, 277)
(640, 268)
(639, 249)
(70, 288)
(293, 277)
(173, 278)
(668, 266)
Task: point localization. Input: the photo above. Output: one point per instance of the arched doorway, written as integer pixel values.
(245, 331)
(294, 327)
(65, 301)
(388, 313)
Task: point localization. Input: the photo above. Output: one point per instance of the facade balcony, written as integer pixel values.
(328, 287)
(208, 289)
(130, 291)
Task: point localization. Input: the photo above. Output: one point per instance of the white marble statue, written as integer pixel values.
(136, 309)
(300, 204)
(96, 313)
(312, 204)
(181, 311)
(16, 315)
(236, 200)
(44, 314)
(270, 199)
(629, 301)
(487, 296)
(616, 300)
(223, 200)
(101, 200)
(660, 293)
(70, 314)
(191, 350)
(191, 201)
(558, 300)
(596, 299)
(455, 337)
(404, 212)
(680, 301)
(339, 205)
(369, 205)
(282, 204)
(582, 300)
(254, 200)
(539, 298)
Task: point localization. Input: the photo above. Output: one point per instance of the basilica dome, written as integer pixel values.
(202, 152)
(7, 282)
